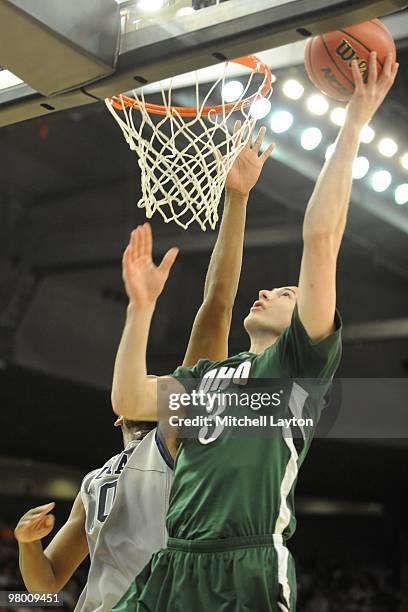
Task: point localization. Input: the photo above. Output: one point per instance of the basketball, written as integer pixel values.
(328, 56)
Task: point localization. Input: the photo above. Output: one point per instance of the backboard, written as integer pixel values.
(68, 56)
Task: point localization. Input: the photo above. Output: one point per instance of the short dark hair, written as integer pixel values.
(139, 429)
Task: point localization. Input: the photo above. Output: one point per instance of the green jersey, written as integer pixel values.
(228, 485)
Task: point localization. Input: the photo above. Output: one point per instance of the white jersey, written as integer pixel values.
(125, 504)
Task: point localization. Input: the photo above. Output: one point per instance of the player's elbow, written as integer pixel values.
(121, 406)
(41, 584)
(136, 408)
(218, 303)
(115, 402)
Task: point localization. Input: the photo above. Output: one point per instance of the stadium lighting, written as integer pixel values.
(403, 160)
(317, 104)
(281, 121)
(387, 147)
(338, 116)
(8, 79)
(150, 5)
(311, 138)
(401, 194)
(232, 90)
(260, 108)
(293, 89)
(360, 167)
(186, 10)
(330, 150)
(367, 134)
(381, 180)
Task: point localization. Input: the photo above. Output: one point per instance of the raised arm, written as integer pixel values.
(134, 394)
(48, 571)
(326, 213)
(209, 334)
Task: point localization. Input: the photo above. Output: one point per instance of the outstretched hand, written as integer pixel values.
(144, 281)
(367, 97)
(36, 524)
(247, 167)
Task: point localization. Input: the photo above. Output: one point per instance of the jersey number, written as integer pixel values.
(107, 494)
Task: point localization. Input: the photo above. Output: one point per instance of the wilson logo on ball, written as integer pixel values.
(347, 53)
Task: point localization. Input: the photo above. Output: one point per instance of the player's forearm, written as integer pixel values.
(326, 212)
(36, 569)
(224, 270)
(130, 374)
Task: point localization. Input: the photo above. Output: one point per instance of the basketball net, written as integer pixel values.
(185, 153)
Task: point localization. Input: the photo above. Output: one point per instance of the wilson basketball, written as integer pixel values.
(328, 56)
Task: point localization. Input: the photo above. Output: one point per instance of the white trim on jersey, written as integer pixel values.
(297, 401)
(284, 517)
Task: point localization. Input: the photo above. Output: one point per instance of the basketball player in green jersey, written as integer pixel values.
(231, 504)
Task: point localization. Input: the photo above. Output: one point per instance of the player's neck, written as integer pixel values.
(128, 437)
(261, 340)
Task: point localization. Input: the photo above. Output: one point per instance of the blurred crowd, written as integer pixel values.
(327, 585)
(323, 585)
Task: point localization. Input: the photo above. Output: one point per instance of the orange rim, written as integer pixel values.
(250, 61)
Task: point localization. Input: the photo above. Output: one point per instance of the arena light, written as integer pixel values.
(387, 147)
(330, 150)
(367, 134)
(381, 180)
(186, 10)
(338, 116)
(404, 161)
(293, 89)
(311, 138)
(232, 90)
(281, 121)
(260, 108)
(401, 194)
(150, 5)
(360, 167)
(8, 79)
(317, 104)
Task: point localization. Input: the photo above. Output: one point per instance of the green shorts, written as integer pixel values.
(242, 574)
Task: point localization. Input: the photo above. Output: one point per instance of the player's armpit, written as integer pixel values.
(69, 547)
(317, 286)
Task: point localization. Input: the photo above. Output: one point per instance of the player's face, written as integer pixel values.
(272, 312)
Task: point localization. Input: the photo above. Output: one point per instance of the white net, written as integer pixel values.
(184, 161)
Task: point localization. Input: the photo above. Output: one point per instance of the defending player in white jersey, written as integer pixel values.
(118, 517)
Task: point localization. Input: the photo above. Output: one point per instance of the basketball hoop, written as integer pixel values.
(185, 153)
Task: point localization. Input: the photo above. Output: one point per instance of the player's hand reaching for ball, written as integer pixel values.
(144, 281)
(35, 524)
(247, 167)
(368, 97)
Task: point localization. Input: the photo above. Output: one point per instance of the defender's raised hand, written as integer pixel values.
(367, 97)
(35, 524)
(144, 281)
(246, 169)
